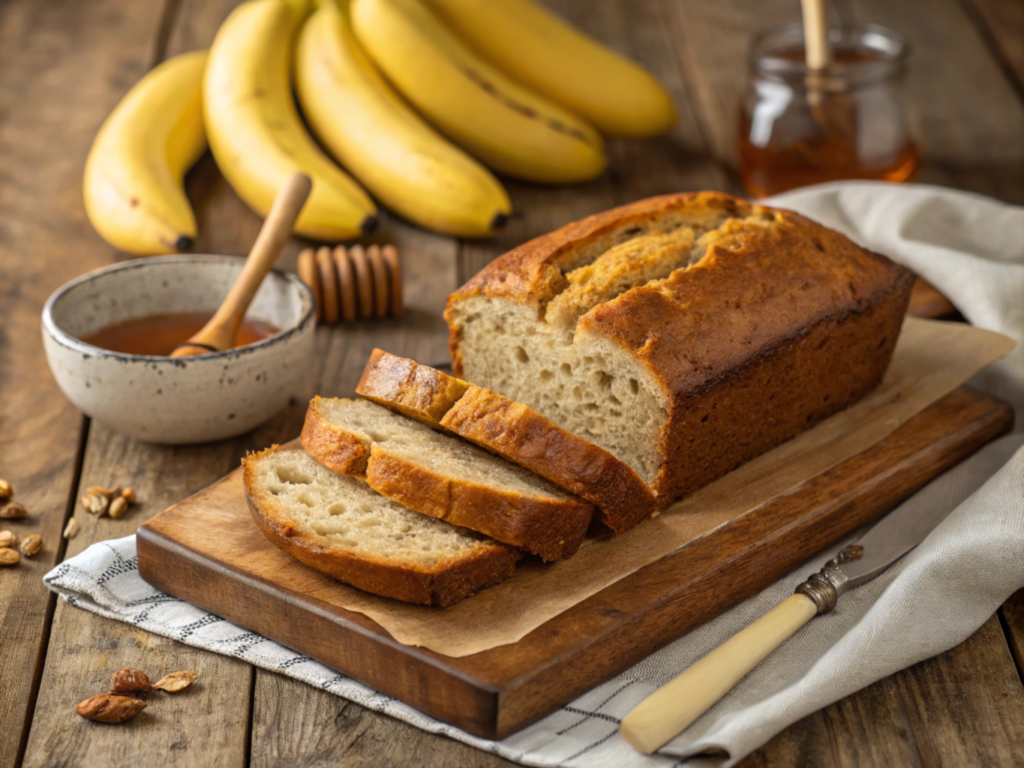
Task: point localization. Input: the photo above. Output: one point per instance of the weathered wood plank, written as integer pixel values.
(1003, 24)
(711, 41)
(967, 705)
(964, 111)
(296, 724)
(83, 649)
(63, 65)
(806, 743)
(206, 724)
(1012, 614)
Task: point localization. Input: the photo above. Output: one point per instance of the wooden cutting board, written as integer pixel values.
(232, 571)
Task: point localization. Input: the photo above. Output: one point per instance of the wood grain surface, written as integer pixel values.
(64, 64)
(46, 81)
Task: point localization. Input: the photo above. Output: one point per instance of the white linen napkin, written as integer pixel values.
(969, 247)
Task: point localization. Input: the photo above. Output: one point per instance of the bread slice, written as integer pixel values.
(403, 385)
(445, 477)
(339, 525)
(512, 430)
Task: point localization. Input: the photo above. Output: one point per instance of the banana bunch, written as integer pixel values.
(559, 62)
(373, 133)
(256, 135)
(512, 129)
(412, 97)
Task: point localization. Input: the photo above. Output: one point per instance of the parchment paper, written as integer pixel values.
(931, 359)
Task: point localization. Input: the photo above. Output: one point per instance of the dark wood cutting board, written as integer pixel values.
(496, 692)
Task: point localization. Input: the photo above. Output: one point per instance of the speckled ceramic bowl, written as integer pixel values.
(188, 400)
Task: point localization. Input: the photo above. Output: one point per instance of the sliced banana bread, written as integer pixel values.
(684, 334)
(512, 430)
(445, 477)
(339, 525)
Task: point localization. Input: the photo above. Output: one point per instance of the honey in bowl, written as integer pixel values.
(159, 335)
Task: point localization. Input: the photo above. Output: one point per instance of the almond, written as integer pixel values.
(175, 681)
(110, 708)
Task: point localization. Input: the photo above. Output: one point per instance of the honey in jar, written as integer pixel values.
(799, 126)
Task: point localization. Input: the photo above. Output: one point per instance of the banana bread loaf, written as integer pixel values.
(684, 334)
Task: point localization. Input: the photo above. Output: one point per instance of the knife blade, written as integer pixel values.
(674, 706)
(889, 539)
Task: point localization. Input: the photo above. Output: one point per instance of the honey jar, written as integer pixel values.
(801, 126)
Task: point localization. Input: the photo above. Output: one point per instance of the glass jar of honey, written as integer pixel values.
(801, 126)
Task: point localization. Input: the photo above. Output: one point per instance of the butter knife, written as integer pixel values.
(673, 707)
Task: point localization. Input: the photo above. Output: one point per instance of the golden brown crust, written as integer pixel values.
(405, 386)
(550, 528)
(530, 273)
(512, 430)
(519, 433)
(773, 398)
(336, 449)
(768, 281)
(447, 584)
(748, 294)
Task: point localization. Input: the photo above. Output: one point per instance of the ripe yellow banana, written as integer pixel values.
(133, 186)
(376, 136)
(507, 126)
(255, 132)
(558, 61)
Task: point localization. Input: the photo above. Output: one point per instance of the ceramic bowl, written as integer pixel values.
(187, 400)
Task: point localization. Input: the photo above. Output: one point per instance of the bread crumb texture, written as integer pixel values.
(613, 325)
(343, 514)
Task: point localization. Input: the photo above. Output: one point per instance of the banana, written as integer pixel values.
(376, 136)
(133, 186)
(255, 132)
(507, 126)
(558, 61)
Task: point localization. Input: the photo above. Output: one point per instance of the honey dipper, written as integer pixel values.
(220, 331)
(355, 282)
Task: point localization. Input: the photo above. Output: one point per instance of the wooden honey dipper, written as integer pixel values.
(220, 331)
(355, 282)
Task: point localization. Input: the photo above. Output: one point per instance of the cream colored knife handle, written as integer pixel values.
(675, 705)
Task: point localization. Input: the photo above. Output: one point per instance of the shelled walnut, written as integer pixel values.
(31, 545)
(129, 681)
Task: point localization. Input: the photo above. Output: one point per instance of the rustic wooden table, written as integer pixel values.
(64, 64)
